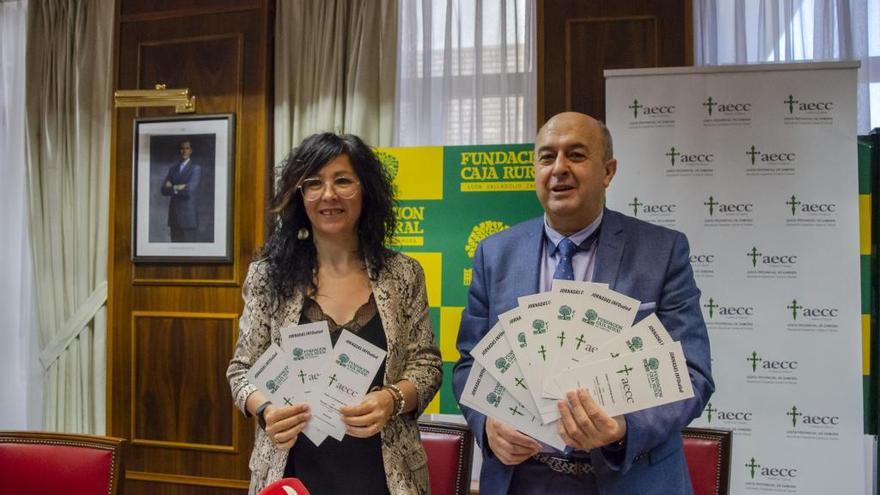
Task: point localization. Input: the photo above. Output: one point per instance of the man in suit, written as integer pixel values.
(579, 239)
(182, 184)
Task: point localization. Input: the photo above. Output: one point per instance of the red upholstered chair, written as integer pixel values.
(450, 454)
(708, 458)
(39, 463)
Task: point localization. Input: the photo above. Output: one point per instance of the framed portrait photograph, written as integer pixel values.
(183, 174)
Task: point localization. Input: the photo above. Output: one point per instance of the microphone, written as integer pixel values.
(285, 486)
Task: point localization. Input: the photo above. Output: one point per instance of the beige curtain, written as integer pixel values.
(335, 67)
(68, 118)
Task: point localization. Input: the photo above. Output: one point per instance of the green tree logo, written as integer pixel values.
(297, 353)
(342, 360)
(272, 386)
(540, 326)
(635, 344)
(521, 338)
(481, 231)
(501, 364)
(590, 317)
(389, 161)
(652, 364)
(493, 399)
(565, 312)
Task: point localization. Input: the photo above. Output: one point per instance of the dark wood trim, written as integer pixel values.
(191, 12)
(179, 479)
(689, 32)
(539, 64)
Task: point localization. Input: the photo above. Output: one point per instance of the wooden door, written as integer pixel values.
(173, 325)
(578, 39)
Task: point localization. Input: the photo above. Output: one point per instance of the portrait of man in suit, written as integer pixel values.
(578, 238)
(182, 186)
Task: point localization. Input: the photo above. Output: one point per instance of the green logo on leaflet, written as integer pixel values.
(565, 312)
(494, 397)
(346, 362)
(635, 344)
(297, 354)
(521, 338)
(651, 366)
(275, 383)
(502, 364)
(539, 327)
(590, 317)
(392, 166)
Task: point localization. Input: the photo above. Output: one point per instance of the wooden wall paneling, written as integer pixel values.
(594, 45)
(578, 40)
(173, 326)
(211, 67)
(177, 375)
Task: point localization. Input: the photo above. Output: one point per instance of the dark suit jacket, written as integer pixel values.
(183, 212)
(644, 261)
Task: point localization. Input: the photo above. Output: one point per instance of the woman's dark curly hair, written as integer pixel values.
(291, 263)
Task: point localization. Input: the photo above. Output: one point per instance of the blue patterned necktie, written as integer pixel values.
(564, 269)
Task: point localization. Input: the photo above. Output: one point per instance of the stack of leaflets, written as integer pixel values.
(577, 335)
(307, 368)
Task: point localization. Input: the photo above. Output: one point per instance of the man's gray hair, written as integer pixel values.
(606, 136)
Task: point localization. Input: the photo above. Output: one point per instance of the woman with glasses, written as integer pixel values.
(327, 261)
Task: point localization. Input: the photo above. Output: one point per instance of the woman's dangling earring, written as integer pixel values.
(302, 234)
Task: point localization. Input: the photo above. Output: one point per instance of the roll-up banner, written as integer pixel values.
(757, 165)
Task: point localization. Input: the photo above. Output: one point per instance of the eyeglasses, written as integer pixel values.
(313, 188)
